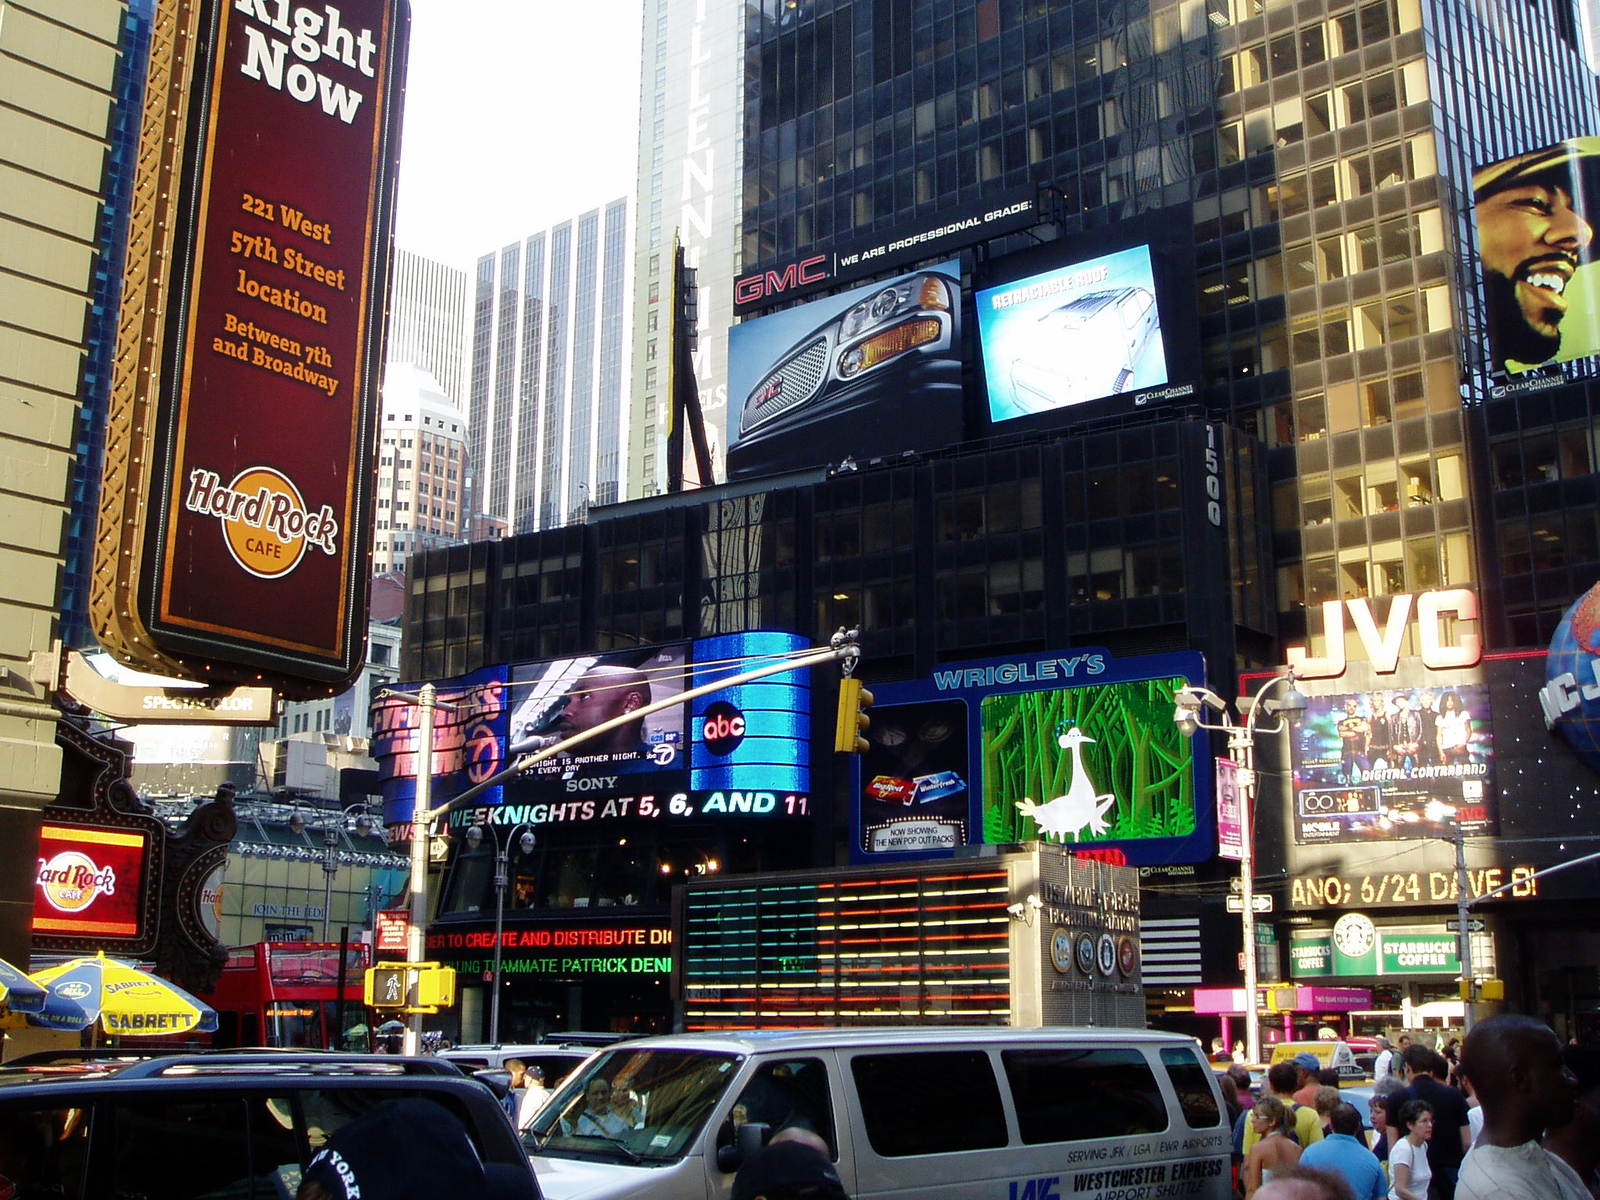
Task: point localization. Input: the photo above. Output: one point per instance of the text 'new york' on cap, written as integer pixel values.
(405, 1148)
(788, 1171)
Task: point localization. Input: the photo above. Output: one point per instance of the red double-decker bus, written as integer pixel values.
(289, 994)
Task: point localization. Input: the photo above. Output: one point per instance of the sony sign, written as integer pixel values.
(1424, 612)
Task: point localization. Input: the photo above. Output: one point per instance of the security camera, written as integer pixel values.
(1035, 903)
(1016, 911)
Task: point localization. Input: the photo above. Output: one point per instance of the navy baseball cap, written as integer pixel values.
(405, 1148)
(1307, 1060)
(788, 1171)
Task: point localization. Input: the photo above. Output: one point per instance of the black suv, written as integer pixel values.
(209, 1126)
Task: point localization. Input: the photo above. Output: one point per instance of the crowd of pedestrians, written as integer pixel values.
(1510, 1114)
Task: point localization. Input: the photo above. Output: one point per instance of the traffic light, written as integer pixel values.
(850, 733)
(388, 986)
(1281, 999)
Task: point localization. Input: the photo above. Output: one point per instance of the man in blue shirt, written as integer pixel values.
(1343, 1153)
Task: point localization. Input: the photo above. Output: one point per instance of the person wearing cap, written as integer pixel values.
(788, 1170)
(405, 1148)
(1309, 1064)
(1536, 217)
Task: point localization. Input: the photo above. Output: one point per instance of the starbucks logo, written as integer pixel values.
(1354, 935)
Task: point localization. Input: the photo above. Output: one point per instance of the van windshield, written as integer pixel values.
(632, 1106)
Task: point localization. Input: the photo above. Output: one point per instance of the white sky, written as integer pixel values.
(518, 115)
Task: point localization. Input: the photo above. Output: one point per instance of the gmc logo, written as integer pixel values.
(772, 283)
(770, 390)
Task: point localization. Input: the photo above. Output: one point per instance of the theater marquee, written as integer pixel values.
(236, 502)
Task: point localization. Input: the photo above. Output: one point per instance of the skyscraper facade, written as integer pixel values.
(1324, 154)
(548, 378)
(422, 468)
(689, 186)
(428, 320)
(68, 73)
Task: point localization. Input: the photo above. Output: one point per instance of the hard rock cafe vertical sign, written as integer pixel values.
(236, 506)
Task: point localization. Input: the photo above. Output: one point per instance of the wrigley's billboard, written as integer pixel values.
(234, 530)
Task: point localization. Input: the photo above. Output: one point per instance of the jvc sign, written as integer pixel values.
(1440, 646)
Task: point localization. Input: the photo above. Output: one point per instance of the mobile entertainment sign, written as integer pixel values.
(235, 524)
(1077, 748)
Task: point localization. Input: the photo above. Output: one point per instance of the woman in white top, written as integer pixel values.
(1274, 1150)
(1409, 1171)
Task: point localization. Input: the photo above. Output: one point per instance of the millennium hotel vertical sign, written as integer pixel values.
(235, 513)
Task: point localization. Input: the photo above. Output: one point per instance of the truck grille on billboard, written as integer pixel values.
(798, 376)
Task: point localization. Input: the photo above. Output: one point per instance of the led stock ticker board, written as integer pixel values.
(237, 499)
(740, 752)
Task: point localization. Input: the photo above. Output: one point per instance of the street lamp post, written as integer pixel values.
(523, 836)
(1191, 703)
(331, 833)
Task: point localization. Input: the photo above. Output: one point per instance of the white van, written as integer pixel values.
(931, 1113)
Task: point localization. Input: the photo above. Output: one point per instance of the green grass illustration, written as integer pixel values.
(1137, 754)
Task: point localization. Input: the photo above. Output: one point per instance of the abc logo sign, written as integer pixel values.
(722, 728)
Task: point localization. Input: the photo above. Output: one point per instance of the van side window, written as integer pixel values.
(1191, 1079)
(1076, 1095)
(934, 1102)
(791, 1094)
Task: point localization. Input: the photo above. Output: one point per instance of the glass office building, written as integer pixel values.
(547, 372)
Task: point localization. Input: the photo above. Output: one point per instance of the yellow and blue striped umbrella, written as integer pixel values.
(17, 991)
(124, 999)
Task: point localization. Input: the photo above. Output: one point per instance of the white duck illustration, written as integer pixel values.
(1080, 808)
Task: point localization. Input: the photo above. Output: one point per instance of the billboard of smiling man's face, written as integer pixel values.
(1537, 214)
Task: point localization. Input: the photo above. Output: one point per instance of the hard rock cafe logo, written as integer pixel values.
(72, 881)
(264, 518)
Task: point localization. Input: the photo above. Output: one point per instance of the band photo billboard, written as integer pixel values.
(739, 752)
(239, 518)
(869, 372)
(1395, 764)
(1537, 214)
(1077, 748)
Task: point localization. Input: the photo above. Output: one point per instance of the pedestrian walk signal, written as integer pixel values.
(387, 987)
(415, 987)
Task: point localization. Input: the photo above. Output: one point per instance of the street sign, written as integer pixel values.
(1474, 925)
(393, 926)
(1258, 903)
